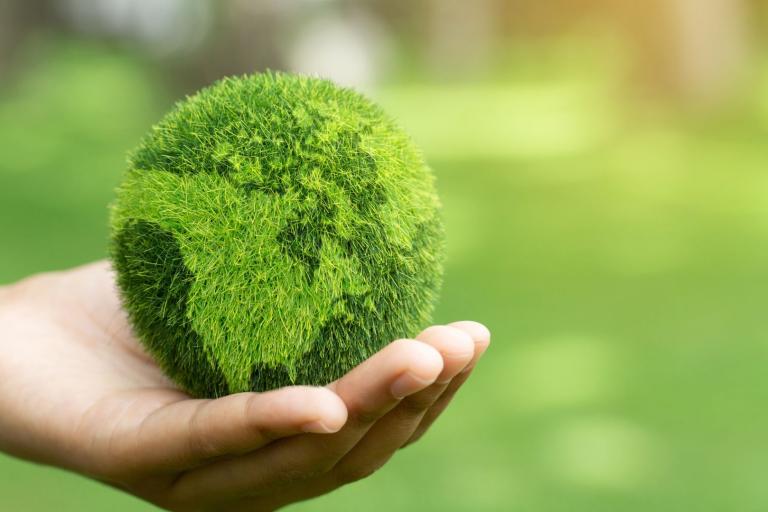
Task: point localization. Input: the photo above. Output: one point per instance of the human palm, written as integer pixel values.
(78, 391)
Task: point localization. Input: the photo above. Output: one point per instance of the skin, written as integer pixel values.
(79, 392)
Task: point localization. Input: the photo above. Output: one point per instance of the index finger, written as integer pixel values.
(188, 433)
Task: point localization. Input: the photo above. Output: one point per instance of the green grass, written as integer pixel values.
(623, 276)
(275, 229)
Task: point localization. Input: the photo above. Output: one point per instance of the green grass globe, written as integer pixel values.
(274, 230)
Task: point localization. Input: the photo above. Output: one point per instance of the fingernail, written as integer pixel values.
(317, 427)
(407, 384)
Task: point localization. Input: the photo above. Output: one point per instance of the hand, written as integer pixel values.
(79, 392)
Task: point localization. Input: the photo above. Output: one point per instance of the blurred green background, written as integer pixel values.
(604, 170)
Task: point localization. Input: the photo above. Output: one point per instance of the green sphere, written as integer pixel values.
(274, 230)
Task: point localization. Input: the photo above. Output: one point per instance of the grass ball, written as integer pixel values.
(272, 230)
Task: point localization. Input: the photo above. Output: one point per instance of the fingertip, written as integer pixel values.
(479, 333)
(456, 347)
(335, 411)
(328, 408)
(303, 408)
(422, 360)
(423, 365)
(328, 422)
(451, 342)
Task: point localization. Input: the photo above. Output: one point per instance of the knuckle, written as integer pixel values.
(199, 442)
(251, 405)
(259, 411)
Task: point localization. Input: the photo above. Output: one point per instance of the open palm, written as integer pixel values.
(79, 392)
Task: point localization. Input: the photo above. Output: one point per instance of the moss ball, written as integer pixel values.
(273, 230)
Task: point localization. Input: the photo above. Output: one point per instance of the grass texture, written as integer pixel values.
(275, 229)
